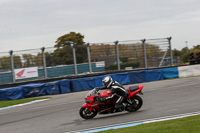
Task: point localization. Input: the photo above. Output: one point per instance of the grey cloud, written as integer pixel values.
(45, 19)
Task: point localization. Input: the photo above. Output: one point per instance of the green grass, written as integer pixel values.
(20, 101)
(183, 125)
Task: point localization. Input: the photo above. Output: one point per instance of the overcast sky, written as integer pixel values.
(30, 24)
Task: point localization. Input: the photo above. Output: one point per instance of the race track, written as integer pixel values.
(60, 114)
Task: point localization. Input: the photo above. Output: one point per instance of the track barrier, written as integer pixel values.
(54, 87)
(36, 89)
(82, 84)
(169, 73)
(12, 93)
(64, 85)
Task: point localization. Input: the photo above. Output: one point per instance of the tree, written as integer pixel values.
(30, 60)
(185, 54)
(64, 53)
(176, 52)
(17, 62)
(5, 62)
(196, 47)
(50, 59)
(76, 38)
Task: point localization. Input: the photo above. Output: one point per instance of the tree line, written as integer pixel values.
(187, 55)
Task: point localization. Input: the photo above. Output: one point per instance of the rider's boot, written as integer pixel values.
(120, 108)
(119, 104)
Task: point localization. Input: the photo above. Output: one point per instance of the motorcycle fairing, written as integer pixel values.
(106, 93)
(140, 87)
(91, 95)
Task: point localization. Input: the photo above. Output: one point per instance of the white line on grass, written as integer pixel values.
(134, 123)
(18, 105)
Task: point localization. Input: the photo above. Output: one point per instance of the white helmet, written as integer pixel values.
(107, 81)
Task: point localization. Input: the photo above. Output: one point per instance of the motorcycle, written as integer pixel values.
(93, 104)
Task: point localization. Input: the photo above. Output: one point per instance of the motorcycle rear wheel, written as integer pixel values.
(136, 104)
(86, 114)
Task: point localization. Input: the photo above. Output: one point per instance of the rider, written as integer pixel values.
(116, 88)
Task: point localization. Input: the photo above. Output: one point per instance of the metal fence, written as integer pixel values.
(145, 53)
(91, 57)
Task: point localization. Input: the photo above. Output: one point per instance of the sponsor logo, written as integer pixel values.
(19, 74)
(32, 72)
(26, 72)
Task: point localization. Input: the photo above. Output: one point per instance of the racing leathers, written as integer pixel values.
(116, 89)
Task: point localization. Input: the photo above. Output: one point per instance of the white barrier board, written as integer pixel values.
(26, 73)
(187, 71)
(100, 64)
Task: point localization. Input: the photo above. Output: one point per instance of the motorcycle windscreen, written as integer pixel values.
(92, 93)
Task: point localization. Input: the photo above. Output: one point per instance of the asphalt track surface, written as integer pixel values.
(60, 114)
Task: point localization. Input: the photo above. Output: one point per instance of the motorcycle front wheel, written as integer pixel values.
(134, 103)
(86, 114)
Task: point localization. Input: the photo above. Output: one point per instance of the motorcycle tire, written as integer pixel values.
(136, 104)
(86, 114)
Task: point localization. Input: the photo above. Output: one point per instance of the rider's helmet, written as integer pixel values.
(107, 81)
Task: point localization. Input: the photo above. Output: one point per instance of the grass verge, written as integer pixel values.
(183, 125)
(20, 101)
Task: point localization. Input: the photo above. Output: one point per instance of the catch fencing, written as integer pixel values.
(91, 57)
(146, 53)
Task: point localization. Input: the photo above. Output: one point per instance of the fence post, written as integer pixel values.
(117, 54)
(170, 50)
(89, 57)
(44, 62)
(12, 66)
(145, 54)
(74, 57)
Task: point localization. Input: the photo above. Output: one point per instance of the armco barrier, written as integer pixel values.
(12, 93)
(65, 86)
(37, 89)
(81, 84)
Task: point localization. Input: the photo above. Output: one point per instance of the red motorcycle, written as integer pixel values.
(93, 105)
